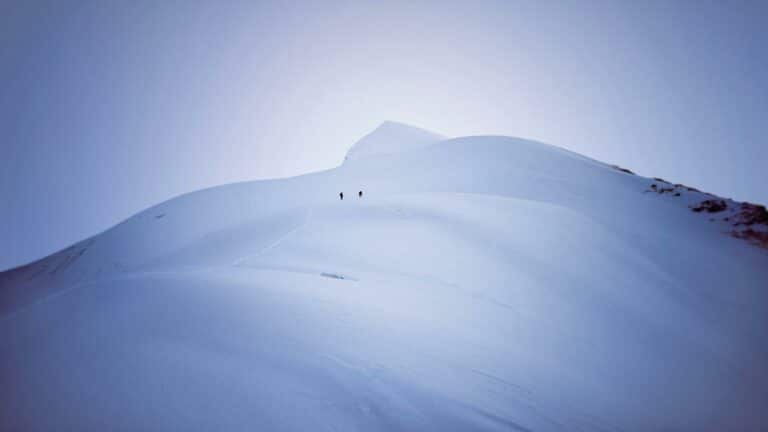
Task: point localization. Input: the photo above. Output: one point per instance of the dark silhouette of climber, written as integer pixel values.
(360, 194)
(341, 196)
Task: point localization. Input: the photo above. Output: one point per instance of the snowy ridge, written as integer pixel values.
(481, 283)
(390, 138)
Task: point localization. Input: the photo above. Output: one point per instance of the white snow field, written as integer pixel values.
(481, 283)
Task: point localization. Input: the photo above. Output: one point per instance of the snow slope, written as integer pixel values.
(390, 138)
(482, 283)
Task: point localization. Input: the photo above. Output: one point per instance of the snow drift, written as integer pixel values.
(481, 283)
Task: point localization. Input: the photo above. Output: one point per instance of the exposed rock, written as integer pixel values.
(758, 238)
(624, 170)
(750, 214)
(662, 190)
(710, 206)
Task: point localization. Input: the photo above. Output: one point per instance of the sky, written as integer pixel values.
(107, 108)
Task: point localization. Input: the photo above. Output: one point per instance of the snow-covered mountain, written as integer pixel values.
(480, 283)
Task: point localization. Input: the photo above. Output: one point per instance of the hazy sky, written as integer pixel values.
(106, 109)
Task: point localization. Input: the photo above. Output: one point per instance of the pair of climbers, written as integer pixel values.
(359, 195)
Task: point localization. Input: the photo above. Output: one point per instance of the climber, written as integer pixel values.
(360, 194)
(341, 196)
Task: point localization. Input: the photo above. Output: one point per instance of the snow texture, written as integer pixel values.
(481, 283)
(390, 138)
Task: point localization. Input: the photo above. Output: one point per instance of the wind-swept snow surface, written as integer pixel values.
(481, 283)
(392, 137)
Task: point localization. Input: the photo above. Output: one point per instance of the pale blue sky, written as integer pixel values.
(108, 108)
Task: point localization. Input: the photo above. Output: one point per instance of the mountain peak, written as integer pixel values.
(392, 137)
